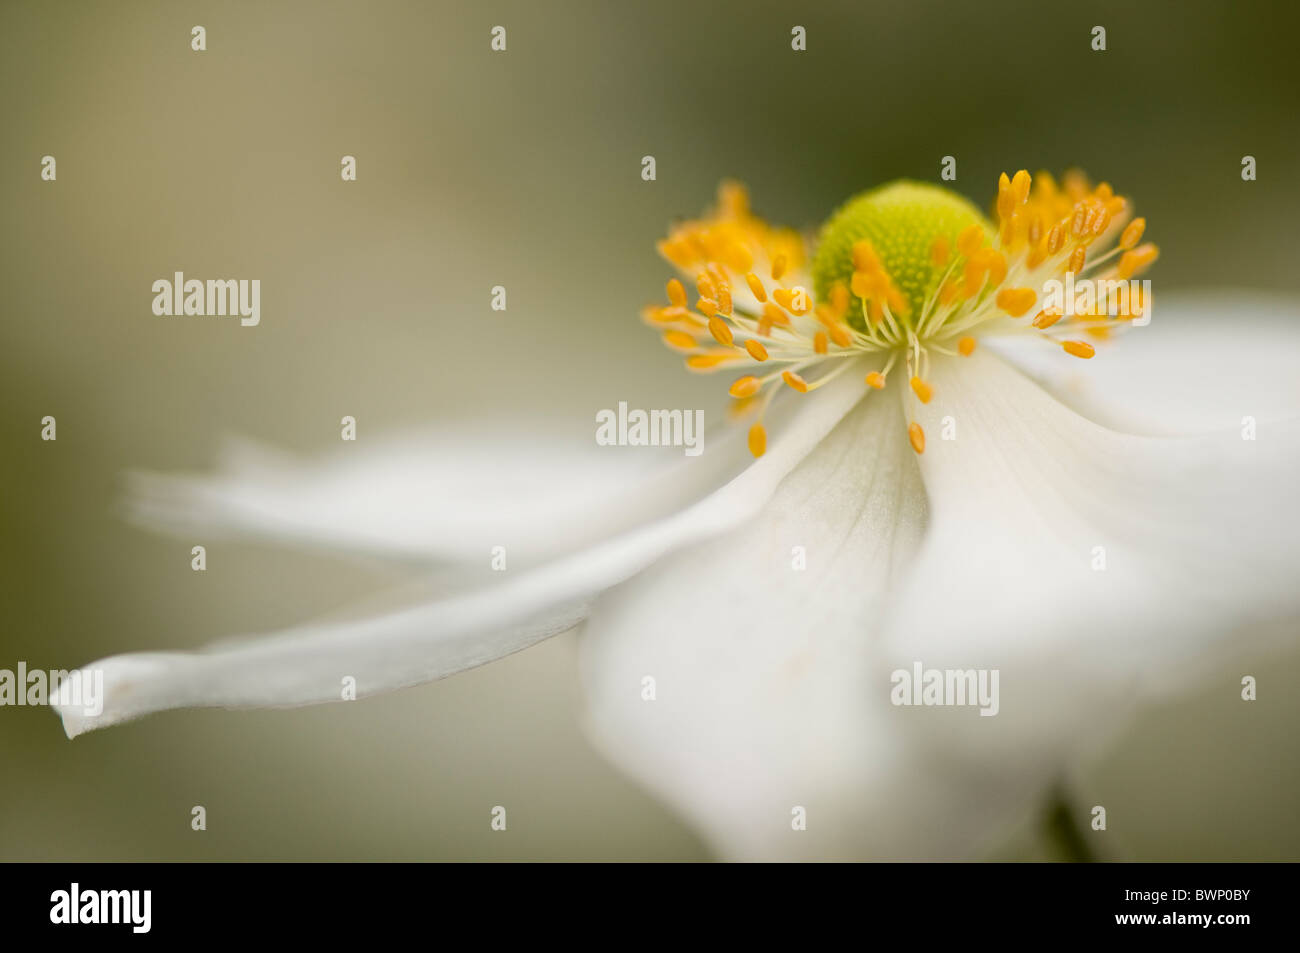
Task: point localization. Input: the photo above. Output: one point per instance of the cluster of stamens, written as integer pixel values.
(755, 309)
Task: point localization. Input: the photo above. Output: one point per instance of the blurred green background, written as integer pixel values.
(521, 169)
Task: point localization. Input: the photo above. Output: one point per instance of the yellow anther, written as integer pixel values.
(704, 285)
(784, 297)
(1079, 219)
(1133, 233)
(864, 285)
(1016, 301)
(1079, 348)
(756, 286)
(707, 362)
(677, 294)
(876, 379)
(757, 440)
(778, 267)
(839, 299)
(774, 315)
(679, 340)
(724, 300)
(733, 199)
(1131, 262)
(939, 251)
(756, 350)
(839, 335)
(916, 436)
(1046, 318)
(721, 332)
(1020, 186)
(795, 381)
(922, 390)
(1006, 200)
(738, 256)
(667, 315)
(970, 240)
(1077, 258)
(821, 344)
(746, 386)
(865, 257)
(966, 346)
(1055, 239)
(993, 261)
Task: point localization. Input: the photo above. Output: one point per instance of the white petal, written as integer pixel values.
(448, 496)
(764, 693)
(1206, 360)
(1199, 542)
(306, 665)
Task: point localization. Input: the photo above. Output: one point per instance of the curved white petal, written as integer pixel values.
(432, 497)
(765, 695)
(1206, 360)
(1199, 542)
(305, 665)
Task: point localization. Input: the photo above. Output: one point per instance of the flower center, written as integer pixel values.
(900, 224)
(902, 272)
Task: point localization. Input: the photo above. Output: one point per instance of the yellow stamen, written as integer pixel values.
(916, 436)
(1131, 262)
(795, 381)
(966, 346)
(1020, 186)
(724, 300)
(876, 379)
(676, 293)
(778, 267)
(1133, 233)
(1016, 301)
(709, 362)
(1079, 348)
(757, 440)
(820, 342)
(970, 240)
(746, 386)
(679, 340)
(756, 350)
(775, 315)
(721, 333)
(939, 251)
(756, 286)
(707, 307)
(1076, 259)
(922, 390)
(1046, 318)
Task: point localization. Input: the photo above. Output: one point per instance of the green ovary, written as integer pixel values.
(901, 220)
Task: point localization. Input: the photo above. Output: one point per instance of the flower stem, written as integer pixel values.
(1062, 829)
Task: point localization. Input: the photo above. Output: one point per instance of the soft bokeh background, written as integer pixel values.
(520, 169)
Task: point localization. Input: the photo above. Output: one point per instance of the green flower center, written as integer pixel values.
(902, 221)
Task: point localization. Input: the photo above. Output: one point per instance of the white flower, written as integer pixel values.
(772, 684)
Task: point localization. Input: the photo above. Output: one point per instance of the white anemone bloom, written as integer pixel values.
(943, 485)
